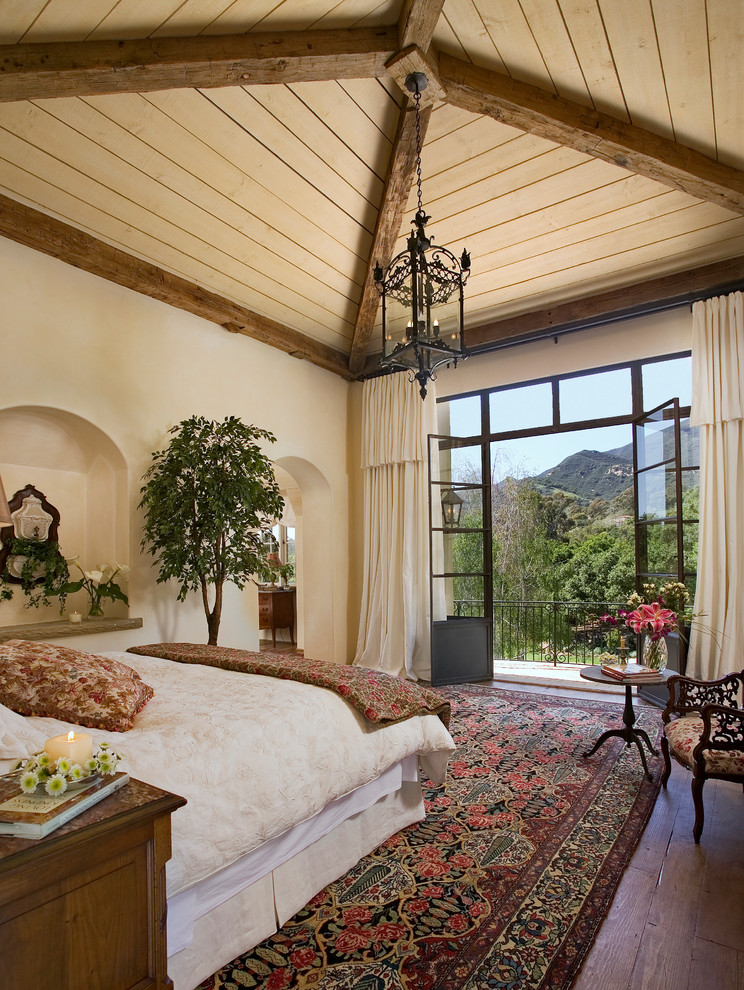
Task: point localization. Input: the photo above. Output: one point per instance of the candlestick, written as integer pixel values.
(76, 746)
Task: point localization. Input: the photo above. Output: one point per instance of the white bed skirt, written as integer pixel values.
(226, 915)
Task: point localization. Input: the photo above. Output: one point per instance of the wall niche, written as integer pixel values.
(83, 473)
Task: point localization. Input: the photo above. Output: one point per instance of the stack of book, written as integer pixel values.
(632, 673)
(32, 816)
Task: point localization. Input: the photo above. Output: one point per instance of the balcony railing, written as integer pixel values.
(557, 632)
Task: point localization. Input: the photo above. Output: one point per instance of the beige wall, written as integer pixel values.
(80, 353)
(646, 336)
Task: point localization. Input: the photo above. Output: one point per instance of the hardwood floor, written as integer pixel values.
(677, 920)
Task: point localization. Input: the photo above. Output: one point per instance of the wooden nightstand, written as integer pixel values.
(276, 610)
(84, 908)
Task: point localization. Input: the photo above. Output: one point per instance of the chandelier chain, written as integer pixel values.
(417, 99)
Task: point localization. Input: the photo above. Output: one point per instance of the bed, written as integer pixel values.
(287, 786)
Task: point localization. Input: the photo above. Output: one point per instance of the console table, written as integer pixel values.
(276, 610)
(85, 905)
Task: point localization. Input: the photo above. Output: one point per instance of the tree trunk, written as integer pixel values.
(214, 615)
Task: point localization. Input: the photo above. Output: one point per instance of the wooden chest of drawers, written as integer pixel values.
(276, 610)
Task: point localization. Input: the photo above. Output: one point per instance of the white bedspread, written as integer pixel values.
(252, 755)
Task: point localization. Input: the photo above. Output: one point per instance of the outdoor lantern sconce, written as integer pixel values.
(422, 292)
(451, 509)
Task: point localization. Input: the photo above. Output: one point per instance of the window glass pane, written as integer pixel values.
(607, 393)
(463, 553)
(458, 464)
(655, 439)
(661, 545)
(657, 493)
(459, 417)
(689, 443)
(691, 495)
(463, 596)
(690, 532)
(664, 380)
(290, 544)
(521, 408)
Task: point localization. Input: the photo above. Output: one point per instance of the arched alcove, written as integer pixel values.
(309, 494)
(83, 474)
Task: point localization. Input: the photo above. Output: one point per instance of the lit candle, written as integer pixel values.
(76, 746)
(622, 642)
(76, 617)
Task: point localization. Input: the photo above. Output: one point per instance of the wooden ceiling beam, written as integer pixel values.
(389, 219)
(38, 71)
(44, 233)
(531, 109)
(417, 22)
(626, 301)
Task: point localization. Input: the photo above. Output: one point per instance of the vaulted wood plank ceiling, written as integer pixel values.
(250, 160)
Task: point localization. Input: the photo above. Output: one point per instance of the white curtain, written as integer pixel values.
(394, 627)
(717, 639)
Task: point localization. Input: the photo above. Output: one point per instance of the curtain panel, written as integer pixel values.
(718, 409)
(394, 628)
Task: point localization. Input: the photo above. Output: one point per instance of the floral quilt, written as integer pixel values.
(382, 698)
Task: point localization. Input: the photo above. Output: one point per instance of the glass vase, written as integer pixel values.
(655, 653)
(96, 610)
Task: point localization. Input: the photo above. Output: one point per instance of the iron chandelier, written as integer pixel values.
(422, 292)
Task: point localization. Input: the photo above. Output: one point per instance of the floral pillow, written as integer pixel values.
(58, 682)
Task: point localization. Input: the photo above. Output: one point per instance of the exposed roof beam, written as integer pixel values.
(37, 230)
(389, 219)
(417, 22)
(36, 71)
(531, 109)
(621, 303)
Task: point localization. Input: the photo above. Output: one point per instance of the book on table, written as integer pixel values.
(631, 672)
(32, 816)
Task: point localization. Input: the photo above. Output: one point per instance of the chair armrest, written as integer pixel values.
(723, 729)
(687, 695)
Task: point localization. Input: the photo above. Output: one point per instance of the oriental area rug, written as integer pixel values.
(505, 883)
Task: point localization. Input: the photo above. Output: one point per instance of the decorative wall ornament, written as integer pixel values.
(29, 554)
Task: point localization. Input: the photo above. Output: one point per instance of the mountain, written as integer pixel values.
(590, 474)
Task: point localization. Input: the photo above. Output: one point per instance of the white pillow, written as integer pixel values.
(18, 738)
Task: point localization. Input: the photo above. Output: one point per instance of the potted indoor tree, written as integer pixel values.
(206, 497)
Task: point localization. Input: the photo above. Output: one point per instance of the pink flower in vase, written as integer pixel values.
(653, 619)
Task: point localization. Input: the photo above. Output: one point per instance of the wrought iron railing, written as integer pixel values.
(557, 632)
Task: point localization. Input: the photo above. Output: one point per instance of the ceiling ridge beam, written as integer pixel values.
(387, 230)
(536, 111)
(621, 303)
(51, 236)
(86, 68)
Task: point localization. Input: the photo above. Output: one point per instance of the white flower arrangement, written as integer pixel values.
(56, 775)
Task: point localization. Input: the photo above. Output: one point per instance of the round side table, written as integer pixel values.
(628, 732)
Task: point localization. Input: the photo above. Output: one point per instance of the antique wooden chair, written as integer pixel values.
(704, 732)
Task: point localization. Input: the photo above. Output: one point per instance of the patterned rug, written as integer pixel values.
(504, 885)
